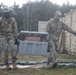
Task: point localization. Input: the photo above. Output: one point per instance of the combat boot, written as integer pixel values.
(7, 66)
(14, 65)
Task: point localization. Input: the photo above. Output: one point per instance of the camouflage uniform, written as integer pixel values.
(54, 29)
(8, 32)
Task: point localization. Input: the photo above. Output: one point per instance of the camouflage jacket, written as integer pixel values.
(8, 27)
(55, 28)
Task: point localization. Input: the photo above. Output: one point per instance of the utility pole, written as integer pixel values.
(23, 19)
(28, 14)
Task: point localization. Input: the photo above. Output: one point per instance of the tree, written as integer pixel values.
(30, 13)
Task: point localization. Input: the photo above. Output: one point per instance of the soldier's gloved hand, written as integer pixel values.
(74, 33)
(16, 42)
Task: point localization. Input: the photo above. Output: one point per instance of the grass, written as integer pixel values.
(40, 58)
(30, 71)
(41, 71)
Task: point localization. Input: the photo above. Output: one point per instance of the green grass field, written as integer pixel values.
(41, 71)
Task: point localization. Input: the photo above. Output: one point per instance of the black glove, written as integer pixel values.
(16, 42)
(74, 33)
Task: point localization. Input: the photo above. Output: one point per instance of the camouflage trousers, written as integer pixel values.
(52, 48)
(8, 46)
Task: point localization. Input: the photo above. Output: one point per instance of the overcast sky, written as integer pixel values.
(20, 2)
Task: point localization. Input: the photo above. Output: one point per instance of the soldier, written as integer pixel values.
(54, 29)
(8, 32)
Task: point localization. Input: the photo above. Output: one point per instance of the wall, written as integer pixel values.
(70, 39)
(42, 26)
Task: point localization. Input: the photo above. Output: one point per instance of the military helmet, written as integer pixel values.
(58, 13)
(7, 9)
